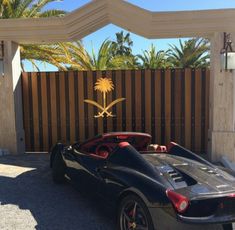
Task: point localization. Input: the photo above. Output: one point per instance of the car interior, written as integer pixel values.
(102, 146)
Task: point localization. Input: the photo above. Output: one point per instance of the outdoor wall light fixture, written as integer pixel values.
(2, 59)
(227, 54)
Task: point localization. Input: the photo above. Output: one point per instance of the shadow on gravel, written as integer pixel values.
(52, 206)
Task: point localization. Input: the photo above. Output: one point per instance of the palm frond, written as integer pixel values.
(21, 8)
(52, 13)
(153, 59)
(37, 7)
(191, 53)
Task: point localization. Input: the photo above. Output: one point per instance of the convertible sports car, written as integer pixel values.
(153, 186)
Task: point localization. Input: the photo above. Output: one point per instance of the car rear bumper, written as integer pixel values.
(163, 220)
(213, 219)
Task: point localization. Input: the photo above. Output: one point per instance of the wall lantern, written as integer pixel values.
(227, 54)
(2, 59)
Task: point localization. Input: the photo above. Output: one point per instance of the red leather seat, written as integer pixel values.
(102, 151)
(162, 149)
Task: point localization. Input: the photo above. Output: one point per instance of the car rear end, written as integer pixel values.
(212, 209)
(204, 213)
(198, 194)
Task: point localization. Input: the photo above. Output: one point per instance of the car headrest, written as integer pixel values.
(152, 147)
(157, 148)
(123, 144)
(171, 145)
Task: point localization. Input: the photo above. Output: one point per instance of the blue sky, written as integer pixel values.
(140, 43)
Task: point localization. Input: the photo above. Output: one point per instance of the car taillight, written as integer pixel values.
(179, 201)
(232, 195)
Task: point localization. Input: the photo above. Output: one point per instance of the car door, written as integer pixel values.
(84, 170)
(111, 186)
(74, 165)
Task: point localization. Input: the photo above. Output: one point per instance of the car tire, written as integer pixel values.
(58, 169)
(57, 148)
(125, 216)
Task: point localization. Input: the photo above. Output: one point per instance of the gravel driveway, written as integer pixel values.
(30, 200)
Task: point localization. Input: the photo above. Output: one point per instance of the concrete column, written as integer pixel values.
(222, 105)
(11, 118)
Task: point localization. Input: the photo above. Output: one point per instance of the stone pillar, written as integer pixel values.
(222, 105)
(11, 116)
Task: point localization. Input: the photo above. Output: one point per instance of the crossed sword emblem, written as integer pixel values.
(104, 110)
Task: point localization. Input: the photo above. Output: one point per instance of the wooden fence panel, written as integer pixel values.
(156, 106)
(172, 105)
(188, 113)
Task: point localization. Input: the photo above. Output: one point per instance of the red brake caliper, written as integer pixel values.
(132, 214)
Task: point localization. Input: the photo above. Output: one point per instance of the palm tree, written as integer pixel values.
(79, 59)
(151, 59)
(122, 45)
(33, 9)
(193, 53)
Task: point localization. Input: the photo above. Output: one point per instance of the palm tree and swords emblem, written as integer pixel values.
(104, 86)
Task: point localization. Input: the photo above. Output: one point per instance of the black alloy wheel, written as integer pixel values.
(134, 215)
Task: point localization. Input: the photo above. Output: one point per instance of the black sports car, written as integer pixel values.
(154, 187)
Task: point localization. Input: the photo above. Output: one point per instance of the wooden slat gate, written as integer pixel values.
(169, 104)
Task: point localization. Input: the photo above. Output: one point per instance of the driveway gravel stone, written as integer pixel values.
(30, 200)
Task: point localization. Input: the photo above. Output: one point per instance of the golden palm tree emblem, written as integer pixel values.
(104, 86)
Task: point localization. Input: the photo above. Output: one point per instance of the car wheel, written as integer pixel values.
(57, 148)
(133, 214)
(58, 169)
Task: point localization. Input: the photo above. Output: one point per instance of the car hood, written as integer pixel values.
(191, 177)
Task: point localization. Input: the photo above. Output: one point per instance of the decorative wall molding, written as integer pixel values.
(99, 13)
